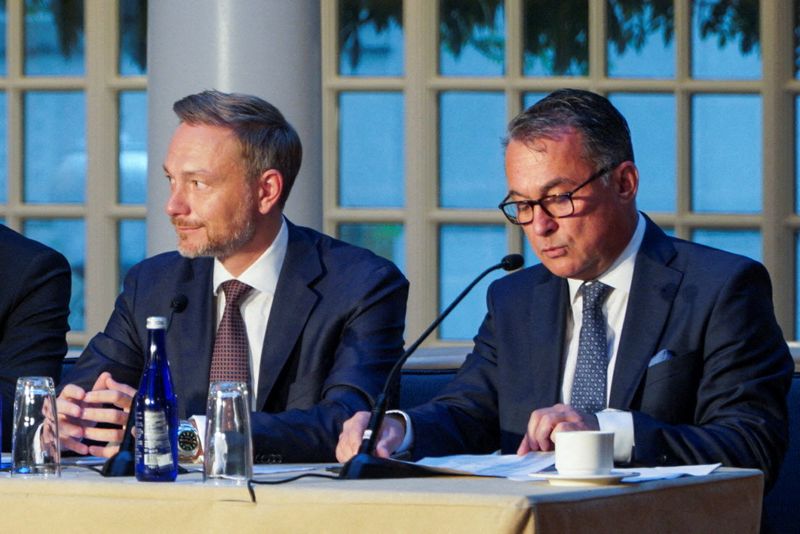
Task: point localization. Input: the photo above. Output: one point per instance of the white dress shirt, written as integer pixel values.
(619, 277)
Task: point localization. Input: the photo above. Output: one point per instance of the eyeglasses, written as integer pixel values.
(556, 206)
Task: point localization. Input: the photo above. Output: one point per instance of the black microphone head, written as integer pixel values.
(512, 262)
(179, 303)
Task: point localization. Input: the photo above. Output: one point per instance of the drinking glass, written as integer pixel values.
(228, 455)
(34, 448)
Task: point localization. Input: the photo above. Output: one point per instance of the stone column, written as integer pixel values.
(269, 48)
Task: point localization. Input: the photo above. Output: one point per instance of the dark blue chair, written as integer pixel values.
(782, 504)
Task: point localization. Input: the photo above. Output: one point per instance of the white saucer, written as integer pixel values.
(556, 479)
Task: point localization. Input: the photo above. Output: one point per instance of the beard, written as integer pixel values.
(222, 242)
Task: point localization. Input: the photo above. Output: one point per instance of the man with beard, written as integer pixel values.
(323, 320)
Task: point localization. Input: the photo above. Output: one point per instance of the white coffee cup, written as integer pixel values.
(584, 452)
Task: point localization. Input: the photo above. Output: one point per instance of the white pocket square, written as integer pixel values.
(660, 357)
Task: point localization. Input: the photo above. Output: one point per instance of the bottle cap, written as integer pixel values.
(156, 322)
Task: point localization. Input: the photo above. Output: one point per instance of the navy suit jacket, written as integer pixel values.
(335, 329)
(34, 307)
(702, 364)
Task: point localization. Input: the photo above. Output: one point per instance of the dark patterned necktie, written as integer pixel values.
(589, 386)
(230, 360)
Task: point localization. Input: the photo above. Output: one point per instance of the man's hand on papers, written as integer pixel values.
(545, 422)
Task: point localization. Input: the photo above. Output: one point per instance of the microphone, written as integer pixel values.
(364, 464)
(122, 464)
(177, 305)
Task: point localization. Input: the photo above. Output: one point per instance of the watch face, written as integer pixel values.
(188, 441)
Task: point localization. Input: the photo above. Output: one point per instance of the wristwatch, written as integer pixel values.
(190, 449)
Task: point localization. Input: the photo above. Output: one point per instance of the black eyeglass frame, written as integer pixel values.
(540, 202)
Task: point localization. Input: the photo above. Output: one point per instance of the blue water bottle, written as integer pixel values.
(156, 412)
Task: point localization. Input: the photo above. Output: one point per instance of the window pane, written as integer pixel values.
(465, 251)
(797, 162)
(556, 38)
(529, 99)
(371, 38)
(371, 167)
(527, 251)
(3, 29)
(133, 147)
(797, 57)
(3, 148)
(471, 156)
(384, 239)
(797, 289)
(654, 147)
(132, 245)
(53, 37)
(471, 38)
(725, 40)
(55, 147)
(640, 43)
(67, 237)
(744, 242)
(726, 153)
(132, 37)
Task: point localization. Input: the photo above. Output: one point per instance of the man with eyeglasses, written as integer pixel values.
(672, 345)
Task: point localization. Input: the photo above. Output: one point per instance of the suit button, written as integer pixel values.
(662, 459)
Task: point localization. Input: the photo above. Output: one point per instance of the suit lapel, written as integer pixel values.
(292, 304)
(191, 337)
(653, 291)
(546, 327)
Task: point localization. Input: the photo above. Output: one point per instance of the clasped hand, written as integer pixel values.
(79, 412)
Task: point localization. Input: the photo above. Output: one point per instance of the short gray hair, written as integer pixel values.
(606, 136)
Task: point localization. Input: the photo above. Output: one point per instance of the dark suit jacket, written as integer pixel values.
(335, 330)
(34, 306)
(719, 395)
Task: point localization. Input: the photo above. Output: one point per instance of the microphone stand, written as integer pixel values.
(364, 464)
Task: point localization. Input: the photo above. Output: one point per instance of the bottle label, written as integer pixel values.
(157, 450)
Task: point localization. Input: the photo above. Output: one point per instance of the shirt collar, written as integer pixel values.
(263, 274)
(620, 275)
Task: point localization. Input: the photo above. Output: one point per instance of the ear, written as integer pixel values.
(269, 190)
(626, 181)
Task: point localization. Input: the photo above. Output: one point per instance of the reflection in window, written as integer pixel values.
(640, 39)
(726, 153)
(371, 168)
(384, 239)
(132, 245)
(651, 118)
(3, 31)
(132, 37)
(797, 160)
(3, 148)
(67, 237)
(371, 38)
(744, 242)
(556, 38)
(471, 156)
(725, 40)
(132, 147)
(527, 251)
(471, 38)
(54, 37)
(465, 251)
(796, 285)
(55, 162)
(529, 99)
